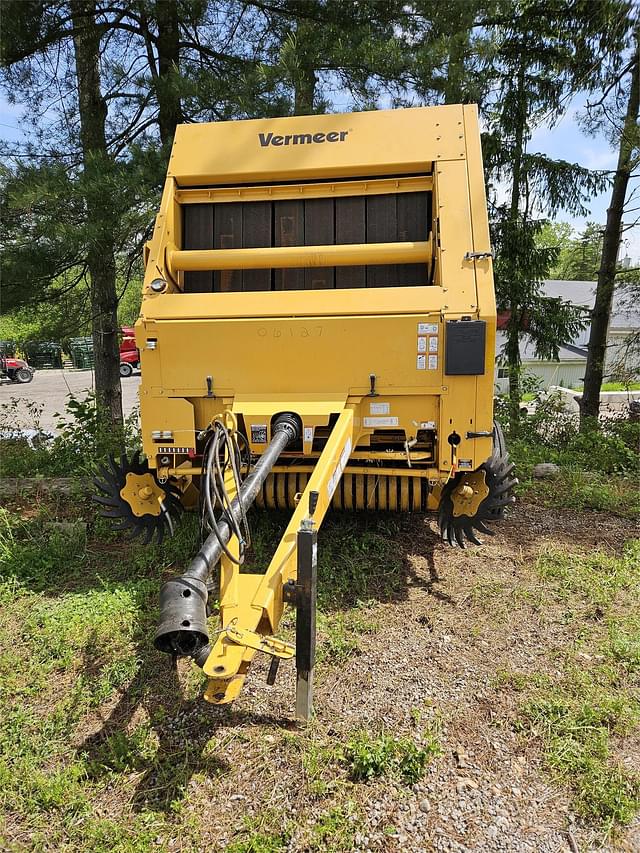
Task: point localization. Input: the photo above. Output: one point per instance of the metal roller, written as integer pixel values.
(357, 492)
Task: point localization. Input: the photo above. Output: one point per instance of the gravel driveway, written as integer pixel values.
(52, 387)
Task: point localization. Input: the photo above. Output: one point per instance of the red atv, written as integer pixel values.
(15, 369)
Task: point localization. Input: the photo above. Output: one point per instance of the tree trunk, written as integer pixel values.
(594, 371)
(454, 90)
(305, 77)
(305, 88)
(166, 83)
(514, 369)
(101, 252)
(513, 329)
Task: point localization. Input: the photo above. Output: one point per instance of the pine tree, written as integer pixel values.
(72, 33)
(101, 262)
(542, 56)
(625, 85)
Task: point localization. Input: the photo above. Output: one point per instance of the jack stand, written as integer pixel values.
(306, 594)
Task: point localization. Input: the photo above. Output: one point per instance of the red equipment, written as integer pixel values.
(15, 369)
(129, 355)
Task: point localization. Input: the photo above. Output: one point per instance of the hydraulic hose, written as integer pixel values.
(182, 626)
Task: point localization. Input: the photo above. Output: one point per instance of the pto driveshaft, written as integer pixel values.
(182, 626)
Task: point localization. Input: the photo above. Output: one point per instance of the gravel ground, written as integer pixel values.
(51, 387)
(434, 656)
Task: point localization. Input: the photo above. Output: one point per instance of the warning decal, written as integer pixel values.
(342, 464)
(258, 433)
(380, 422)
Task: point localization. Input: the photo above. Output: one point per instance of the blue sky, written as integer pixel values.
(567, 141)
(564, 141)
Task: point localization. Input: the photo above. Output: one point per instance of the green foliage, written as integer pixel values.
(358, 561)
(257, 841)
(335, 829)
(589, 704)
(551, 434)
(340, 633)
(82, 439)
(576, 733)
(584, 490)
(596, 578)
(368, 756)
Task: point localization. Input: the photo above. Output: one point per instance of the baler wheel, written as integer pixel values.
(470, 500)
(135, 500)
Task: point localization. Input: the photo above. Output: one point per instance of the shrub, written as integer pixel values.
(368, 757)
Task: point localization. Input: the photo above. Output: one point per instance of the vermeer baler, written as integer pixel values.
(317, 330)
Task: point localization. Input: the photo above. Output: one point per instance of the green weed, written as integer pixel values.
(318, 764)
(384, 755)
(340, 634)
(623, 644)
(122, 751)
(336, 828)
(596, 578)
(576, 732)
(583, 490)
(259, 841)
(579, 716)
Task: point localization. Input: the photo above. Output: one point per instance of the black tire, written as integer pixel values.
(125, 369)
(499, 444)
(23, 375)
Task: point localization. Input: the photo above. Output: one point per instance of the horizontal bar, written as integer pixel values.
(286, 257)
(281, 192)
(369, 471)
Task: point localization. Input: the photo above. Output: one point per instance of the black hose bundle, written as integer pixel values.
(223, 454)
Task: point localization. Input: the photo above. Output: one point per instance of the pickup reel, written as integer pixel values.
(470, 500)
(133, 497)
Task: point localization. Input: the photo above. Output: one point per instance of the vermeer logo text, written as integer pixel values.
(267, 139)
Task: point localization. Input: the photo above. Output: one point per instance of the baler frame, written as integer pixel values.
(376, 396)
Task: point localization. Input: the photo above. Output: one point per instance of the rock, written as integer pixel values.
(460, 756)
(545, 470)
(465, 783)
(425, 806)
(77, 528)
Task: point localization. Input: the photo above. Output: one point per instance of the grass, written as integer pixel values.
(75, 616)
(595, 579)
(340, 634)
(369, 756)
(619, 386)
(256, 841)
(577, 729)
(103, 747)
(77, 609)
(581, 713)
(584, 490)
(358, 559)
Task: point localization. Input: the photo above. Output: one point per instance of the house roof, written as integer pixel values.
(623, 315)
(566, 352)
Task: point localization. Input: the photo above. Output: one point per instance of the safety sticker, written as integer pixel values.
(433, 362)
(380, 422)
(173, 449)
(342, 464)
(427, 328)
(379, 408)
(422, 344)
(421, 362)
(258, 433)
(427, 424)
(465, 464)
(308, 435)
(433, 344)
